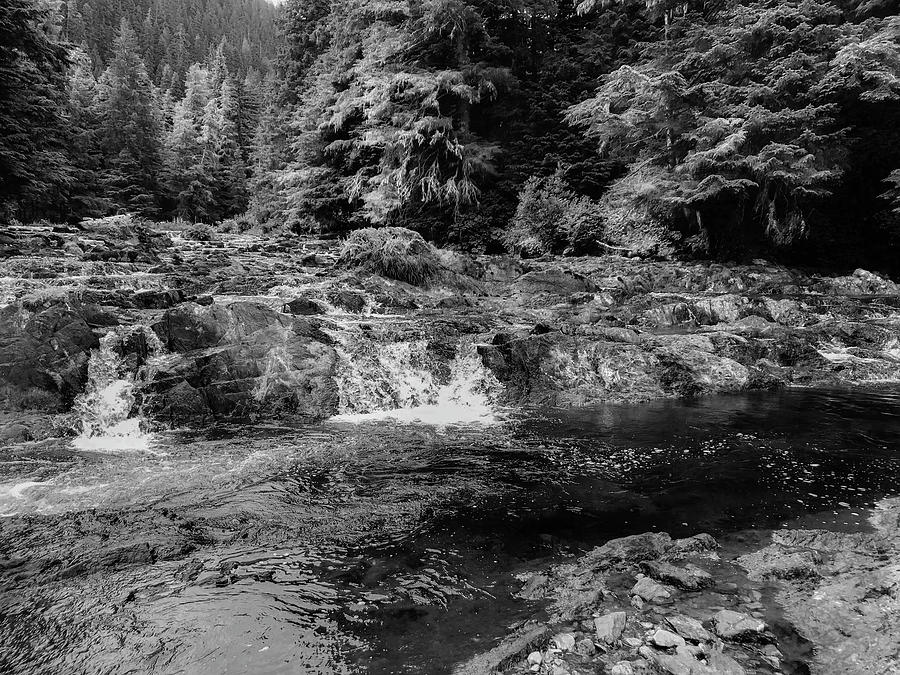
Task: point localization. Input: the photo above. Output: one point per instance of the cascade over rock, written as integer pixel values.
(265, 328)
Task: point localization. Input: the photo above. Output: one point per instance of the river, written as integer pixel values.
(391, 545)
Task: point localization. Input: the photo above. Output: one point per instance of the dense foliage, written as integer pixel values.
(33, 168)
(90, 131)
(663, 128)
(713, 128)
(171, 36)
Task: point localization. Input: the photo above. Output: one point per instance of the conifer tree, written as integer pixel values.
(130, 128)
(34, 168)
(85, 150)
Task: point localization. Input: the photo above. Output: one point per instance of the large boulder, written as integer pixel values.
(240, 361)
(44, 351)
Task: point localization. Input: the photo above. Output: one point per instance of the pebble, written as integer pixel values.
(585, 647)
(565, 641)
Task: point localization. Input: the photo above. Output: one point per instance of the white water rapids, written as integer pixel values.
(106, 408)
(395, 382)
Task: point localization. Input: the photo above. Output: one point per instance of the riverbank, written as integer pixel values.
(786, 601)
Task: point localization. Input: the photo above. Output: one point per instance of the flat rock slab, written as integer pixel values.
(688, 628)
(680, 577)
(649, 590)
(731, 625)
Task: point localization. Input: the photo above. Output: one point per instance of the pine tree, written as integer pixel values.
(130, 128)
(34, 169)
(232, 179)
(85, 151)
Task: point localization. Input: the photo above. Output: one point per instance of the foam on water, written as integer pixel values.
(396, 384)
(106, 409)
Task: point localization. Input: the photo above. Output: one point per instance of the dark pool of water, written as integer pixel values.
(382, 548)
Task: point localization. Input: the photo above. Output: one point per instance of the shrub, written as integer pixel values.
(392, 252)
(550, 218)
(639, 210)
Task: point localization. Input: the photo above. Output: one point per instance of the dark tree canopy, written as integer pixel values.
(726, 129)
(34, 169)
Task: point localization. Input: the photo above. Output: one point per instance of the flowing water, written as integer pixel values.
(392, 537)
(367, 545)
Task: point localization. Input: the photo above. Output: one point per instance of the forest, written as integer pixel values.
(659, 128)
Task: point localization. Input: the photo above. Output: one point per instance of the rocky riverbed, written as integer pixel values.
(122, 328)
(235, 327)
(790, 601)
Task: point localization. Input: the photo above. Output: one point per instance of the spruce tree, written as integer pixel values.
(34, 169)
(85, 151)
(130, 128)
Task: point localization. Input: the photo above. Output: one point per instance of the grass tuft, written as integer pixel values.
(391, 252)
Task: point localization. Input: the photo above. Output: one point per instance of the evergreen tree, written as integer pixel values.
(130, 128)
(190, 188)
(85, 151)
(34, 169)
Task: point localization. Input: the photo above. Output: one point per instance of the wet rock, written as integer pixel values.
(180, 404)
(15, 433)
(157, 299)
(585, 647)
(454, 302)
(770, 563)
(688, 628)
(674, 314)
(650, 591)
(731, 625)
(303, 307)
(631, 549)
(622, 668)
(861, 282)
(564, 641)
(722, 664)
(554, 280)
(242, 360)
(609, 628)
(534, 586)
(44, 353)
(509, 651)
(348, 300)
(680, 577)
(699, 543)
(673, 664)
(666, 640)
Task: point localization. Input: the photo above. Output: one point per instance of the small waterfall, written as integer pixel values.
(105, 409)
(398, 382)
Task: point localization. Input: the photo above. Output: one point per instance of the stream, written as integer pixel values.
(203, 478)
(374, 545)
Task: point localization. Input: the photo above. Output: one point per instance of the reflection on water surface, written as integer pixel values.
(381, 547)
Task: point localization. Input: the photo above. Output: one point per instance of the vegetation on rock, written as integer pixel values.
(392, 252)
